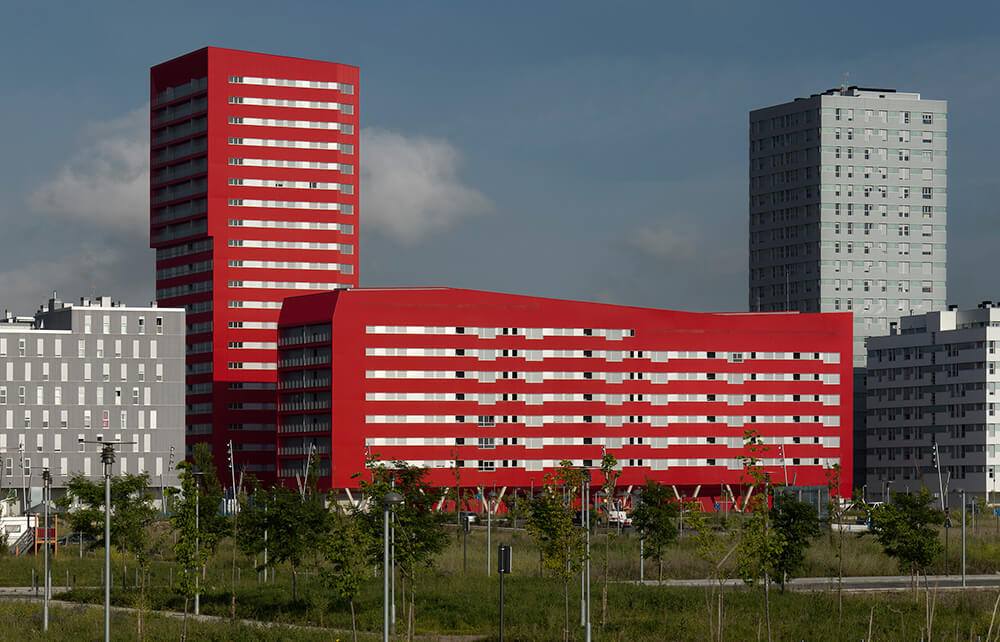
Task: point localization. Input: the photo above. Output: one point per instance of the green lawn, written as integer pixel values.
(450, 601)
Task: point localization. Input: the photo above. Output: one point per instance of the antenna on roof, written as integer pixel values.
(843, 86)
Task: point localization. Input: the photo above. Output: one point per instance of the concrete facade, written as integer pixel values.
(934, 380)
(97, 371)
(848, 207)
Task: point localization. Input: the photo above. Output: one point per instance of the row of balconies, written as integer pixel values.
(284, 428)
(295, 384)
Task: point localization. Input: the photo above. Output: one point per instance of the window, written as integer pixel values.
(57, 395)
(928, 137)
(904, 117)
(3, 395)
(100, 348)
(927, 192)
(86, 418)
(927, 155)
(142, 372)
(87, 323)
(927, 118)
(106, 324)
(904, 135)
(486, 466)
(904, 155)
(106, 372)
(135, 396)
(20, 347)
(487, 421)
(142, 325)
(159, 325)
(20, 395)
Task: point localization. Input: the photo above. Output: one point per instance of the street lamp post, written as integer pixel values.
(390, 499)
(24, 481)
(46, 489)
(197, 541)
(108, 459)
(586, 515)
(490, 498)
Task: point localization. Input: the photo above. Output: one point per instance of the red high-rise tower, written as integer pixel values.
(253, 198)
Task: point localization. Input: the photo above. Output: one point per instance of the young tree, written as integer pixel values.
(214, 525)
(131, 512)
(760, 544)
(419, 529)
(903, 527)
(795, 523)
(550, 522)
(346, 547)
(294, 523)
(184, 517)
(656, 520)
(611, 472)
(714, 545)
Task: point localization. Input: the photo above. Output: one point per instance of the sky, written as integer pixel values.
(583, 150)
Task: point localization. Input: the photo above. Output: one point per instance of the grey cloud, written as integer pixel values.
(107, 181)
(410, 187)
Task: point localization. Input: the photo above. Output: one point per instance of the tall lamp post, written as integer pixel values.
(197, 539)
(24, 481)
(390, 499)
(108, 459)
(490, 498)
(46, 489)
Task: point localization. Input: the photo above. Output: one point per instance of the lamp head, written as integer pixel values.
(392, 498)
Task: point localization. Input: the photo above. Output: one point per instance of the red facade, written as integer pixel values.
(507, 386)
(253, 198)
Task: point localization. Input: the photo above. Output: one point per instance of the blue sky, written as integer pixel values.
(582, 150)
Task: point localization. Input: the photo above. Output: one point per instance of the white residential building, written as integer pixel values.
(848, 207)
(934, 380)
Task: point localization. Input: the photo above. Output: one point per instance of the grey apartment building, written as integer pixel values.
(934, 380)
(97, 371)
(848, 207)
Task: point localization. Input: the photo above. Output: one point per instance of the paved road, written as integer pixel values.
(857, 584)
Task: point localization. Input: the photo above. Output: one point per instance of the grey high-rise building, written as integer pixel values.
(848, 207)
(97, 371)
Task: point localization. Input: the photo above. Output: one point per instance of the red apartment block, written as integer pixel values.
(253, 198)
(508, 386)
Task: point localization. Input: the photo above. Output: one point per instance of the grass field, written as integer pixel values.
(534, 612)
(450, 601)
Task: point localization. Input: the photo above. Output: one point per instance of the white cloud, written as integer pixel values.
(410, 187)
(95, 270)
(107, 181)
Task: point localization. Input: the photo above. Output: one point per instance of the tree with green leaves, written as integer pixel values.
(294, 523)
(796, 524)
(760, 544)
(715, 543)
(214, 525)
(550, 522)
(611, 472)
(346, 547)
(185, 518)
(904, 527)
(419, 529)
(132, 512)
(655, 517)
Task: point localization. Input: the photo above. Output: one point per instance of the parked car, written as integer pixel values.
(619, 518)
